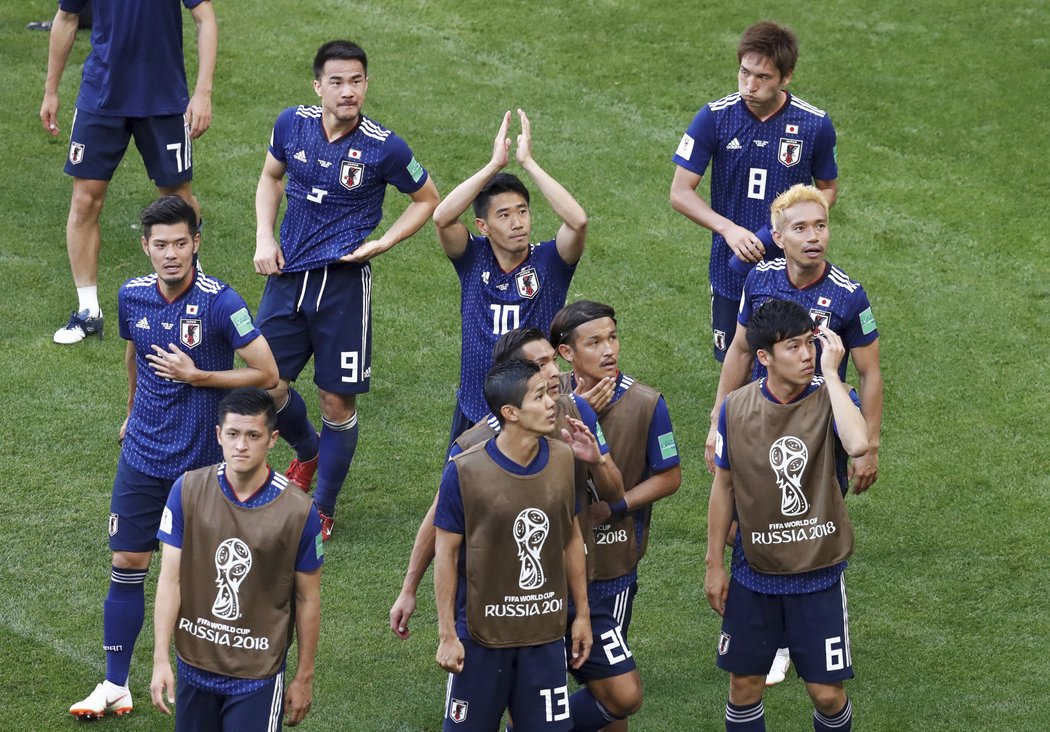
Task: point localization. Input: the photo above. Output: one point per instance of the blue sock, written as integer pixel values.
(338, 444)
(750, 718)
(295, 427)
(588, 714)
(122, 616)
(840, 721)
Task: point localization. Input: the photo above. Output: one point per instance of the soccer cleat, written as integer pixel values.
(301, 472)
(107, 698)
(778, 671)
(327, 524)
(79, 327)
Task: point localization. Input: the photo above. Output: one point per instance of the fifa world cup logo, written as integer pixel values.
(788, 457)
(530, 531)
(233, 561)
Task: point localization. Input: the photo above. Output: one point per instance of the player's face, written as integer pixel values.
(245, 440)
(171, 248)
(541, 353)
(595, 350)
(804, 235)
(792, 361)
(508, 224)
(342, 89)
(537, 412)
(760, 84)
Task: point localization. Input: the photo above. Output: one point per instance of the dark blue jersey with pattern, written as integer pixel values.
(335, 189)
(752, 162)
(172, 424)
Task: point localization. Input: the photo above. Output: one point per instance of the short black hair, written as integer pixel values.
(339, 50)
(572, 316)
(169, 211)
(507, 383)
(249, 401)
(775, 321)
(510, 343)
(500, 183)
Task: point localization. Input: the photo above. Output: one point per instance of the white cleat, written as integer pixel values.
(778, 671)
(107, 698)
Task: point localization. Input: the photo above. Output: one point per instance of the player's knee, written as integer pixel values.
(87, 201)
(184, 191)
(745, 690)
(337, 408)
(279, 394)
(827, 698)
(621, 695)
(131, 560)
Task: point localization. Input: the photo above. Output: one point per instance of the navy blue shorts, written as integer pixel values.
(135, 509)
(197, 710)
(723, 324)
(529, 681)
(610, 654)
(97, 144)
(814, 626)
(325, 313)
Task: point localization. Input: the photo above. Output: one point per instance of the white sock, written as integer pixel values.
(88, 297)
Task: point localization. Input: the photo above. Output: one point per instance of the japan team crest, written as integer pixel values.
(190, 332)
(821, 318)
(351, 174)
(723, 643)
(457, 710)
(114, 524)
(76, 152)
(790, 152)
(720, 340)
(528, 282)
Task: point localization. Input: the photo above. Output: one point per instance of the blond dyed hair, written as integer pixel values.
(796, 194)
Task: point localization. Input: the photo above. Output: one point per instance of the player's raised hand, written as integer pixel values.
(268, 259)
(599, 395)
(297, 700)
(864, 470)
(163, 681)
(581, 640)
(831, 351)
(450, 655)
(172, 364)
(523, 152)
(49, 114)
(501, 145)
(401, 612)
(198, 115)
(716, 587)
(744, 243)
(583, 443)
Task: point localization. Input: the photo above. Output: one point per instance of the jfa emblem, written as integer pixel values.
(527, 282)
(457, 710)
(114, 521)
(190, 332)
(821, 318)
(720, 340)
(76, 152)
(723, 643)
(790, 152)
(351, 174)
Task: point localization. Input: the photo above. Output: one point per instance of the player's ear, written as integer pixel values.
(764, 357)
(196, 242)
(481, 226)
(273, 439)
(565, 351)
(218, 433)
(786, 79)
(145, 245)
(509, 413)
(317, 87)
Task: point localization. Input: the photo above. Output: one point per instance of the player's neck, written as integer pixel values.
(509, 261)
(246, 485)
(173, 291)
(783, 391)
(335, 129)
(770, 108)
(802, 276)
(518, 444)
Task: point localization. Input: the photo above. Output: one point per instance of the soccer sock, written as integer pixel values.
(587, 713)
(88, 299)
(338, 443)
(295, 427)
(750, 718)
(840, 721)
(122, 616)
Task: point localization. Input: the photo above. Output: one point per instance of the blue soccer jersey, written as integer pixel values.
(834, 301)
(135, 68)
(493, 302)
(335, 189)
(172, 425)
(752, 162)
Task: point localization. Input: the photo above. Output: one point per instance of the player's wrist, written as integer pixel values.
(618, 509)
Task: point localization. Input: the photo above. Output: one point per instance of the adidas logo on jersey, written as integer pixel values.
(300, 156)
(144, 324)
(734, 144)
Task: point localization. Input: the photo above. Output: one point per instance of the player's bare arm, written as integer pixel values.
(165, 613)
(450, 651)
(268, 259)
(829, 189)
(421, 557)
(133, 379)
(411, 220)
(576, 574)
(719, 516)
(864, 470)
(299, 696)
(453, 233)
(198, 112)
(656, 486)
(63, 33)
(849, 422)
(572, 234)
(736, 371)
(687, 201)
(259, 368)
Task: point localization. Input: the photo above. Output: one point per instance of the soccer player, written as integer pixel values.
(637, 425)
(509, 556)
(183, 329)
(575, 421)
(775, 472)
(334, 165)
(234, 525)
(759, 142)
(506, 282)
(134, 85)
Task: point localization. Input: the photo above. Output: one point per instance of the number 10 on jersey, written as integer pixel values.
(504, 317)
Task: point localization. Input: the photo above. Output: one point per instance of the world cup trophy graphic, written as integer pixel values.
(788, 457)
(530, 531)
(233, 561)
